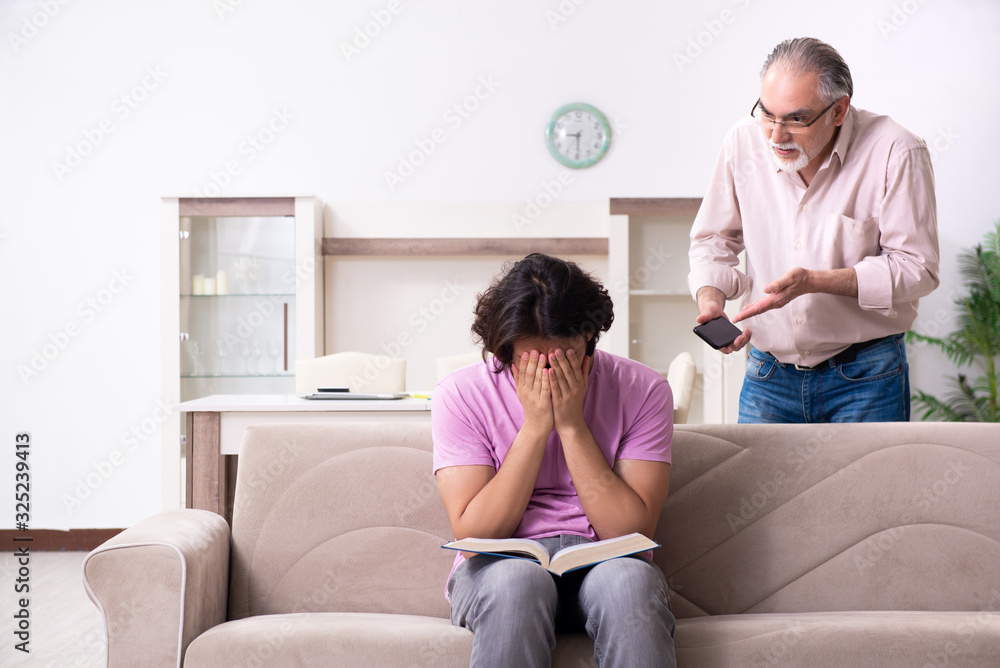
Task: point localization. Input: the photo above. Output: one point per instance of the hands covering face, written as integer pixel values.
(552, 397)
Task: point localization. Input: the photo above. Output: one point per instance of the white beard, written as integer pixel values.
(792, 166)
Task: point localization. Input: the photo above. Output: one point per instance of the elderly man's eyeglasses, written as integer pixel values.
(791, 124)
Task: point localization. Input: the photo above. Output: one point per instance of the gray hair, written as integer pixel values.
(807, 54)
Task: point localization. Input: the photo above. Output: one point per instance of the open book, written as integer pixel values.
(563, 561)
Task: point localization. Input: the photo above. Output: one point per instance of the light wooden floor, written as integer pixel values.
(66, 628)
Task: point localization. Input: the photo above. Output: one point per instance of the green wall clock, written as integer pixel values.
(578, 135)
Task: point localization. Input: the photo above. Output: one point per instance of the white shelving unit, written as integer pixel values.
(648, 242)
(242, 301)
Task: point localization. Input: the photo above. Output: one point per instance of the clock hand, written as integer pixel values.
(577, 135)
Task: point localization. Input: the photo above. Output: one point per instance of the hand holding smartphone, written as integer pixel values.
(718, 333)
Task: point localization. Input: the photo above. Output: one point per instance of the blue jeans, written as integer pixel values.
(515, 607)
(875, 387)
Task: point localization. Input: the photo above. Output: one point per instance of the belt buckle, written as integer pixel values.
(804, 368)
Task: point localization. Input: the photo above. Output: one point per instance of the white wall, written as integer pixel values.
(165, 95)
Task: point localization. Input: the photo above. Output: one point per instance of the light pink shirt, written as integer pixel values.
(871, 206)
(476, 416)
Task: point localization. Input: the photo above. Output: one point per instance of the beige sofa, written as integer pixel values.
(819, 545)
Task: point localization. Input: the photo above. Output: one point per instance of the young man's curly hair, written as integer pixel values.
(540, 297)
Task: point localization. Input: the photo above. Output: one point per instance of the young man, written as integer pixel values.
(554, 440)
(835, 208)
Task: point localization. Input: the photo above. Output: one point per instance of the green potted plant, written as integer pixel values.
(975, 343)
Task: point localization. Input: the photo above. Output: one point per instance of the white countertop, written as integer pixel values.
(228, 403)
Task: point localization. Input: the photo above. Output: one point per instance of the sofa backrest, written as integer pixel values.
(760, 518)
(336, 518)
(799, 518)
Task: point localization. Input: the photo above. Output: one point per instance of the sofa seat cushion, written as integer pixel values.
(331, 639)
(819, 639)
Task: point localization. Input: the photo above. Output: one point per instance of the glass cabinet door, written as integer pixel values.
(242, 294)
(237, 305)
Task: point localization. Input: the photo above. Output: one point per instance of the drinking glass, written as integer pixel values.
(219, 354)
(274, 352)
(195, 351)
(244, 350)
(254, 369)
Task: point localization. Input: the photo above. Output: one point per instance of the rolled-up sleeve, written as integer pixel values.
(907, 267)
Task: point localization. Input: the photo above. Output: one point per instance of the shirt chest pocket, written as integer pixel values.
(845, 241)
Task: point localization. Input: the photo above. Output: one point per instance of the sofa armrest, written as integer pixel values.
(159, 585)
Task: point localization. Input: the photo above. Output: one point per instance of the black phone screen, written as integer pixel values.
(718, 333)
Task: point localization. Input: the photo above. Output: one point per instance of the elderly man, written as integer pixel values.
(835, 208)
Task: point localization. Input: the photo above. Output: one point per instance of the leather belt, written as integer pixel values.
(845, 356)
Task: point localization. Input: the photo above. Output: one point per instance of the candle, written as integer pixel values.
(221, 283)
(198, 284)
(209, 286)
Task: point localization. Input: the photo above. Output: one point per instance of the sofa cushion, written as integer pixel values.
(837, 639)
(332, 639)
(353, 639)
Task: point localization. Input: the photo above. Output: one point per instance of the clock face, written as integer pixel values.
(578, 135)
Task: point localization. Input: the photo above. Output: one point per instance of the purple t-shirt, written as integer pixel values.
(476, 415)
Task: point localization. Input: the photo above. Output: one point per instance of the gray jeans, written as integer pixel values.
(515, 608)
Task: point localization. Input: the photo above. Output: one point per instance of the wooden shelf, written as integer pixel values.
(472, 246)
(655, 206)
(237, 206)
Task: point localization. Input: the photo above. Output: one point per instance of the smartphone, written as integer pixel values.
(718, 333)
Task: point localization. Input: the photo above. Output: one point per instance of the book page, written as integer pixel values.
(504, 547)
(567, 559)
(586, 554)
